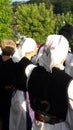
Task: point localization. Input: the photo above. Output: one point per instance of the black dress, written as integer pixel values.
(48, 92)
(7, 78)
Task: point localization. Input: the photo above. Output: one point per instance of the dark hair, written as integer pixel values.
(67, 31)
(8, 51)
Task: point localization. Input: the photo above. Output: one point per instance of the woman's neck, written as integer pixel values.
(61, 66)
(5, 58)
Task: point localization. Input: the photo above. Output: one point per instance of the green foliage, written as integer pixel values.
(35, 21)
(59, 6)
(47, 2)
(61, 20)
(5, 19)
(38, 22)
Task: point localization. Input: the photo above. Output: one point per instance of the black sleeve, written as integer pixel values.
(20, 74)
